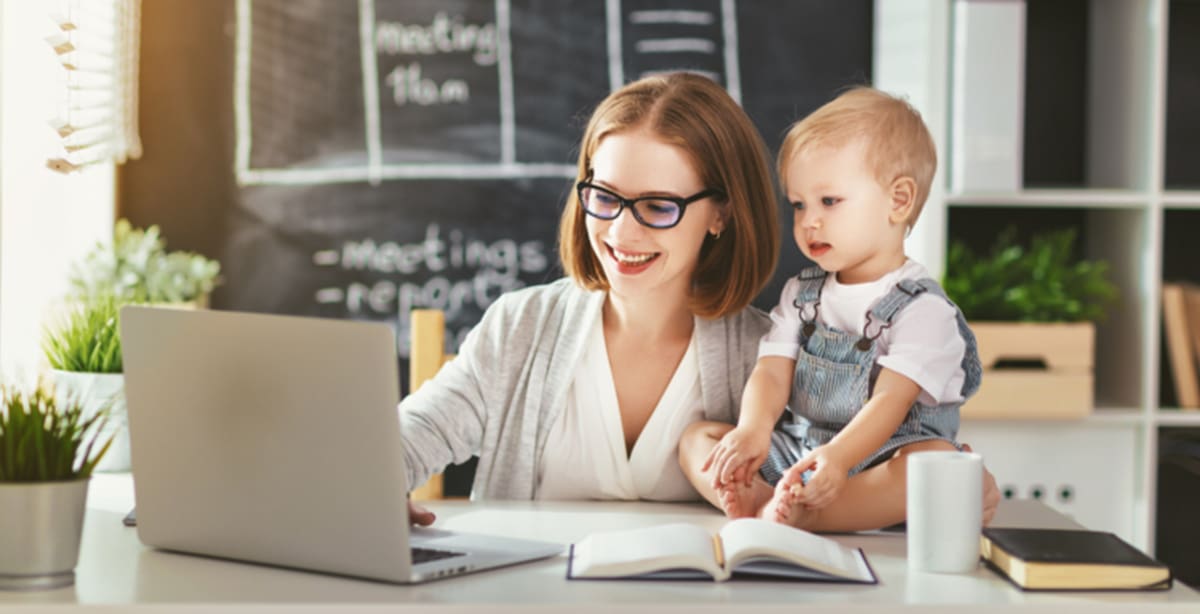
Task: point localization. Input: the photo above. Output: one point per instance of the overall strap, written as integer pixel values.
(808, 293)
(812, 279)
(904, 292)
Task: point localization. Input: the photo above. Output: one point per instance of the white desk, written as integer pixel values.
(117, 570)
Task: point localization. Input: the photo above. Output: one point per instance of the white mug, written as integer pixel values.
(944, 511)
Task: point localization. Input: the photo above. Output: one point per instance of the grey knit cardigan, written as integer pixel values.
(500, 396)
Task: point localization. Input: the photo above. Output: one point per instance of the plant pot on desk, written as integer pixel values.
(95, 391)
(41, 524)
(1034, 371)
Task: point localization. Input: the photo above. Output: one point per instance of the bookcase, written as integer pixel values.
(1111, 148)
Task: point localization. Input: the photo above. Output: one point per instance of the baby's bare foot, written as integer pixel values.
(735, 499)
(741, 500)
(785, 507)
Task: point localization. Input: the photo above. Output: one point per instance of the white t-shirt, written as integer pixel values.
(585, 457)
(923, 343)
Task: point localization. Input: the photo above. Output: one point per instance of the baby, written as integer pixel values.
(866, 353)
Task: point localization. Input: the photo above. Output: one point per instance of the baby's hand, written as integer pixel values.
(826, 482)
(737, 456)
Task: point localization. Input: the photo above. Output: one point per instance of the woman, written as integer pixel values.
(580, 389)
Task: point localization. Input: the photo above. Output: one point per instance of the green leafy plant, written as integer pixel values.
(1038, 283)
(136, 267)
(41, 437)
(87, 339)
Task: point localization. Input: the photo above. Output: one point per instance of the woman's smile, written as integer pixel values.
(630, 263)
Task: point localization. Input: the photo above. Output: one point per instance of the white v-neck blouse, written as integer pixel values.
(585, 458)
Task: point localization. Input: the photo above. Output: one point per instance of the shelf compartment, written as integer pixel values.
(1182, 162)
(1117, 236)
(1179, 265)
(1089, 93)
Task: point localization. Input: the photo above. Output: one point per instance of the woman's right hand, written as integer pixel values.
(737, 456)
(419, 515)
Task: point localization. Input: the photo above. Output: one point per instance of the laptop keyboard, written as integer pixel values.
(425, 555)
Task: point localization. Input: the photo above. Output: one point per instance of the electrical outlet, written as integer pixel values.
(1063, 494)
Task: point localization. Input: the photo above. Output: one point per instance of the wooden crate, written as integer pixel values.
(1061, 390)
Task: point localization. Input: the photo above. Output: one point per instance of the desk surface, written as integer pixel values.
(116, 569)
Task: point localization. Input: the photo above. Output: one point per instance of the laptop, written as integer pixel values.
(276, 440)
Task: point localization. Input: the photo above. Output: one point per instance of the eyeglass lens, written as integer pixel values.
(649, 211)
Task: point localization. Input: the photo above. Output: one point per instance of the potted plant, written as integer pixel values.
(49, 446)
(1033, 310)
(83, 343)
(136, 267)
(83, 349)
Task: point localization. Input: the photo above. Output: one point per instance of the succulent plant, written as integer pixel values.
(136, 267)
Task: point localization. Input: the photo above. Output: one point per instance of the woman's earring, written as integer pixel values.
(716, 235)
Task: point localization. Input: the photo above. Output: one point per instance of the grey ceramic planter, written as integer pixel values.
(41, 524)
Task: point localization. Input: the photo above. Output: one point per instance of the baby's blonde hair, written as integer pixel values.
(897, 142)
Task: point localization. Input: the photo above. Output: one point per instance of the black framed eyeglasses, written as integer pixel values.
(651, 211)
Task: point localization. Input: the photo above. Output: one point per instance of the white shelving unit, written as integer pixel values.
(1102, 469)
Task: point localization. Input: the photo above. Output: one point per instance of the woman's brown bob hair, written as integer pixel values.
(698, 116)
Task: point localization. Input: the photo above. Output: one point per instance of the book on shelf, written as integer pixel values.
(1067, 559)
(1181, 333)
(1191, 305)
(747, 547)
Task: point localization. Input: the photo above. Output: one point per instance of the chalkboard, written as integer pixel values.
(359, 159)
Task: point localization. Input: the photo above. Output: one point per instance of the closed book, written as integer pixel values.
(747, 547)
(1065, 559)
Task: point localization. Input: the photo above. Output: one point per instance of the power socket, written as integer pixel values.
(1063, 494)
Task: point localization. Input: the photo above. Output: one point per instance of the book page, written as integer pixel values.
(752, 538)
(635, 552)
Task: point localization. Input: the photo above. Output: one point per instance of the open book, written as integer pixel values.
(743, 547)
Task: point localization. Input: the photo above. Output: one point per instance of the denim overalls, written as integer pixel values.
(835, 374)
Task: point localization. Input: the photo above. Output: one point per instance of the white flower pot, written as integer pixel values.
(41, 524)
(95, 390)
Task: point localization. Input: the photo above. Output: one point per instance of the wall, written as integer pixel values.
(437, 179)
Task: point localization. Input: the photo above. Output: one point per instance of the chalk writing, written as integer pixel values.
(448, 271)
(443, 35)
(409, 86)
